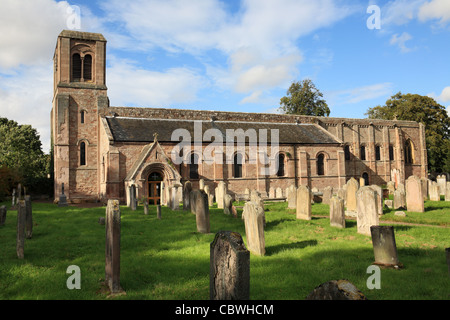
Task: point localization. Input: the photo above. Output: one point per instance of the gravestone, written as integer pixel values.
(247, 193)
(21, 222)
(28, 217)
(271, 192)
(291, 193)
(337, 212)
(447, 192)
(253, 216)
(221, 192)
(13, 199)
(424, 183)
(2, 215)
(352, 188)
(158, 211)
(441, 181)
(229, 275)
(304, 196)
(342, 193)
(175, 200)
(228, 203)
(414, 197)
(255, 196)
(401, 187)
(62, 198)
(211, 200)
(133, 200)
(201, 210)
(399, 199)
(187, 188)
(391, 187)
(336, 290)
(395, 176)
(327, 194)
(201, 184)
(434, 192)
(384, 247)
(207, 191)
(389, 203)
(379, 192)
(367, 210)
(279, 193)
(112, 246)
(145, 207)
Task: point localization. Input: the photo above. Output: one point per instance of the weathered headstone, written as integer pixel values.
(62, 198)
(389, 203)
(291, 194)
(228, 203)
(255, 196)
(424, 183)
(201, 210)
(21, 221)
(303, 203)
(414, 197)
(278, 193)
(434, 192)
(352, 188)
(187, 188)
(229, 276)
(201, 184)
(399, 199)
(207, 191)
(175, 200)
(112, 247)
(3, 211)
(253, 216)
(447, 192)
(379, 192)
(271, 192)
(28, 218)
(247, 193)
(327, 194)
(145, 207)
(384, 247)
(337, 212)
(336, 290)
(133, 200)
(441, 181)
(391, 187)
(211, 200)
(367, 209)
(158, 211)
(221, 192)
(13, 199)
(342, 193)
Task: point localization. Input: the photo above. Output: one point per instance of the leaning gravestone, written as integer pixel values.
(229, 275)
(367, 210)
(384, 247)
(352, 188)
(253, 216)
(21, 220)
(112, 247)
(303, 203)
(2, 215)
(414, 197)
(337, 212)
(28, 217)
(336, 290)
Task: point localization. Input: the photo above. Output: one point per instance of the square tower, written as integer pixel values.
(79, 92)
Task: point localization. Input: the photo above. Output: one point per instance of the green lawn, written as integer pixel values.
(168, 259)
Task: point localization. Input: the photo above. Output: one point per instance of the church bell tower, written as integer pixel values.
(79, 92)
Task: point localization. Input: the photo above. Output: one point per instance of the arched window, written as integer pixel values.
(82, 154)
(362, 152)
(280, 172)
(320, 165)
(391, 153)
(193, 167)
(377, 153)
(409, 159)
(365, 176)
(347, 152)
(76, 67)
(82, 114)
(87, 67)
(237, 165)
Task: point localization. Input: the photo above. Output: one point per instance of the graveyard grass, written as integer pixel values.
(167, 259)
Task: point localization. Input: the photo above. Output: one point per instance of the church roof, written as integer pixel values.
(128, 129)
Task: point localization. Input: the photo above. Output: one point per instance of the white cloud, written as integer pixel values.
(435, 9)
(128, 82)
(355, 95)
(445, 95)
(399, 12)
(401, 41)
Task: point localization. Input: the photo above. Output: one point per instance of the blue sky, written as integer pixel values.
(230, 55)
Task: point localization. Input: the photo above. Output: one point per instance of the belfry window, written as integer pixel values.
(87, 68)
(76, 67)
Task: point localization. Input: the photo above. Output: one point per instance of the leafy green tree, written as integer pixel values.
(414, 107)
(304, 98)
(21, 156)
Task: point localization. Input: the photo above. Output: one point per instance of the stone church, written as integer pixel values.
(102, 152)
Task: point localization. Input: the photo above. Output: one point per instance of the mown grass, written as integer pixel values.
(167, 259)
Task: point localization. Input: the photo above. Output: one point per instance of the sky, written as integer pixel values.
(230, 55)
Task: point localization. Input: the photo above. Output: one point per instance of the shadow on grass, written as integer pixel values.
(271, 250)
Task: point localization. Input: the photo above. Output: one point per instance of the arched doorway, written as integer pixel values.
(154, 188)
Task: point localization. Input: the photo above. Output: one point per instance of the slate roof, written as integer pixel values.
(126, 129)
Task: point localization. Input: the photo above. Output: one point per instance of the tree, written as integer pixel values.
(414, 107)
(21, 156)
(304, 98)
